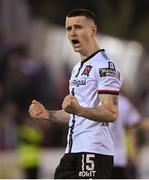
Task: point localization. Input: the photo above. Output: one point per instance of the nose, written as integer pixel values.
(73, 32)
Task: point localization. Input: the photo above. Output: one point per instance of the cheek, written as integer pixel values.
(85, 38)
(68, 36)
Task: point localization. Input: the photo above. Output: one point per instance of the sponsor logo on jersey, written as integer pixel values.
(87, 70)
(78, 83)
(103, 72)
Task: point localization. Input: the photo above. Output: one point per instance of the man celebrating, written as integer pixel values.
(91, 105)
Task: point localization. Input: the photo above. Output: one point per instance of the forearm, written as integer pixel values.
(100, 114)
(58, 116)
(106, 111)
(38, 111)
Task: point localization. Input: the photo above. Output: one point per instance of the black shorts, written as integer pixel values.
(120, 173)
(84, 166)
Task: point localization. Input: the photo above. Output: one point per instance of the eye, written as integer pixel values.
(68, 28)
(78, 27)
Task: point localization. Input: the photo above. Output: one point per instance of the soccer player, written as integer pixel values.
(128, 119)
(91, 105)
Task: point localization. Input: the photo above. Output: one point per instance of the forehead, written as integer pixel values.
(82, 20)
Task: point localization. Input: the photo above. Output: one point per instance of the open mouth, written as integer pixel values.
(75, 41)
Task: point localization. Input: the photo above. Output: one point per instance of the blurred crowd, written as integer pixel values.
(23, 79)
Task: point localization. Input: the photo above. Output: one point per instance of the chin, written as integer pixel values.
(76, 49)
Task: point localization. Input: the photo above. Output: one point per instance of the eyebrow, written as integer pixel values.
(75, 25)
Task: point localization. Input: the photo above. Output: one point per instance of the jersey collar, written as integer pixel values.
(92, 55)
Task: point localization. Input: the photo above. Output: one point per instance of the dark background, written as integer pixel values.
(128, 19)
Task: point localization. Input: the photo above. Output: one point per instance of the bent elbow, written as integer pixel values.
(113, 116)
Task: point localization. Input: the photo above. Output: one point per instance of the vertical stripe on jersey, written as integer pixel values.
(73, 120)
(71, 128)
(79, 69)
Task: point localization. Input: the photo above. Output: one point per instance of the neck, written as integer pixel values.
(89, 52)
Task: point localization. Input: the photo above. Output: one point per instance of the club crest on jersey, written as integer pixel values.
(87, 70)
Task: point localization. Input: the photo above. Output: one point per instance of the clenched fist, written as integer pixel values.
(71, 104)
(38, 111)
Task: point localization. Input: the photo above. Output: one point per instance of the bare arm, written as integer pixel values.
(105, 112)
(59, 116)
(38, 111)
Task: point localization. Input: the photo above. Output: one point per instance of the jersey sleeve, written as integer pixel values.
(132, 116)
(109, 79)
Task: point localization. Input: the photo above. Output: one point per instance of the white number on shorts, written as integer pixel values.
(88, 162)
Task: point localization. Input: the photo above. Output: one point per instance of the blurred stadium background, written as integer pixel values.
(35, 63)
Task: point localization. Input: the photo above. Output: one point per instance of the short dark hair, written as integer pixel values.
(82, 12)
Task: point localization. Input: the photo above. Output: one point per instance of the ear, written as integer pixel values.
(94, 30)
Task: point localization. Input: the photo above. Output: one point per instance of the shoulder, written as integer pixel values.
(106, 67)
(103, 60)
